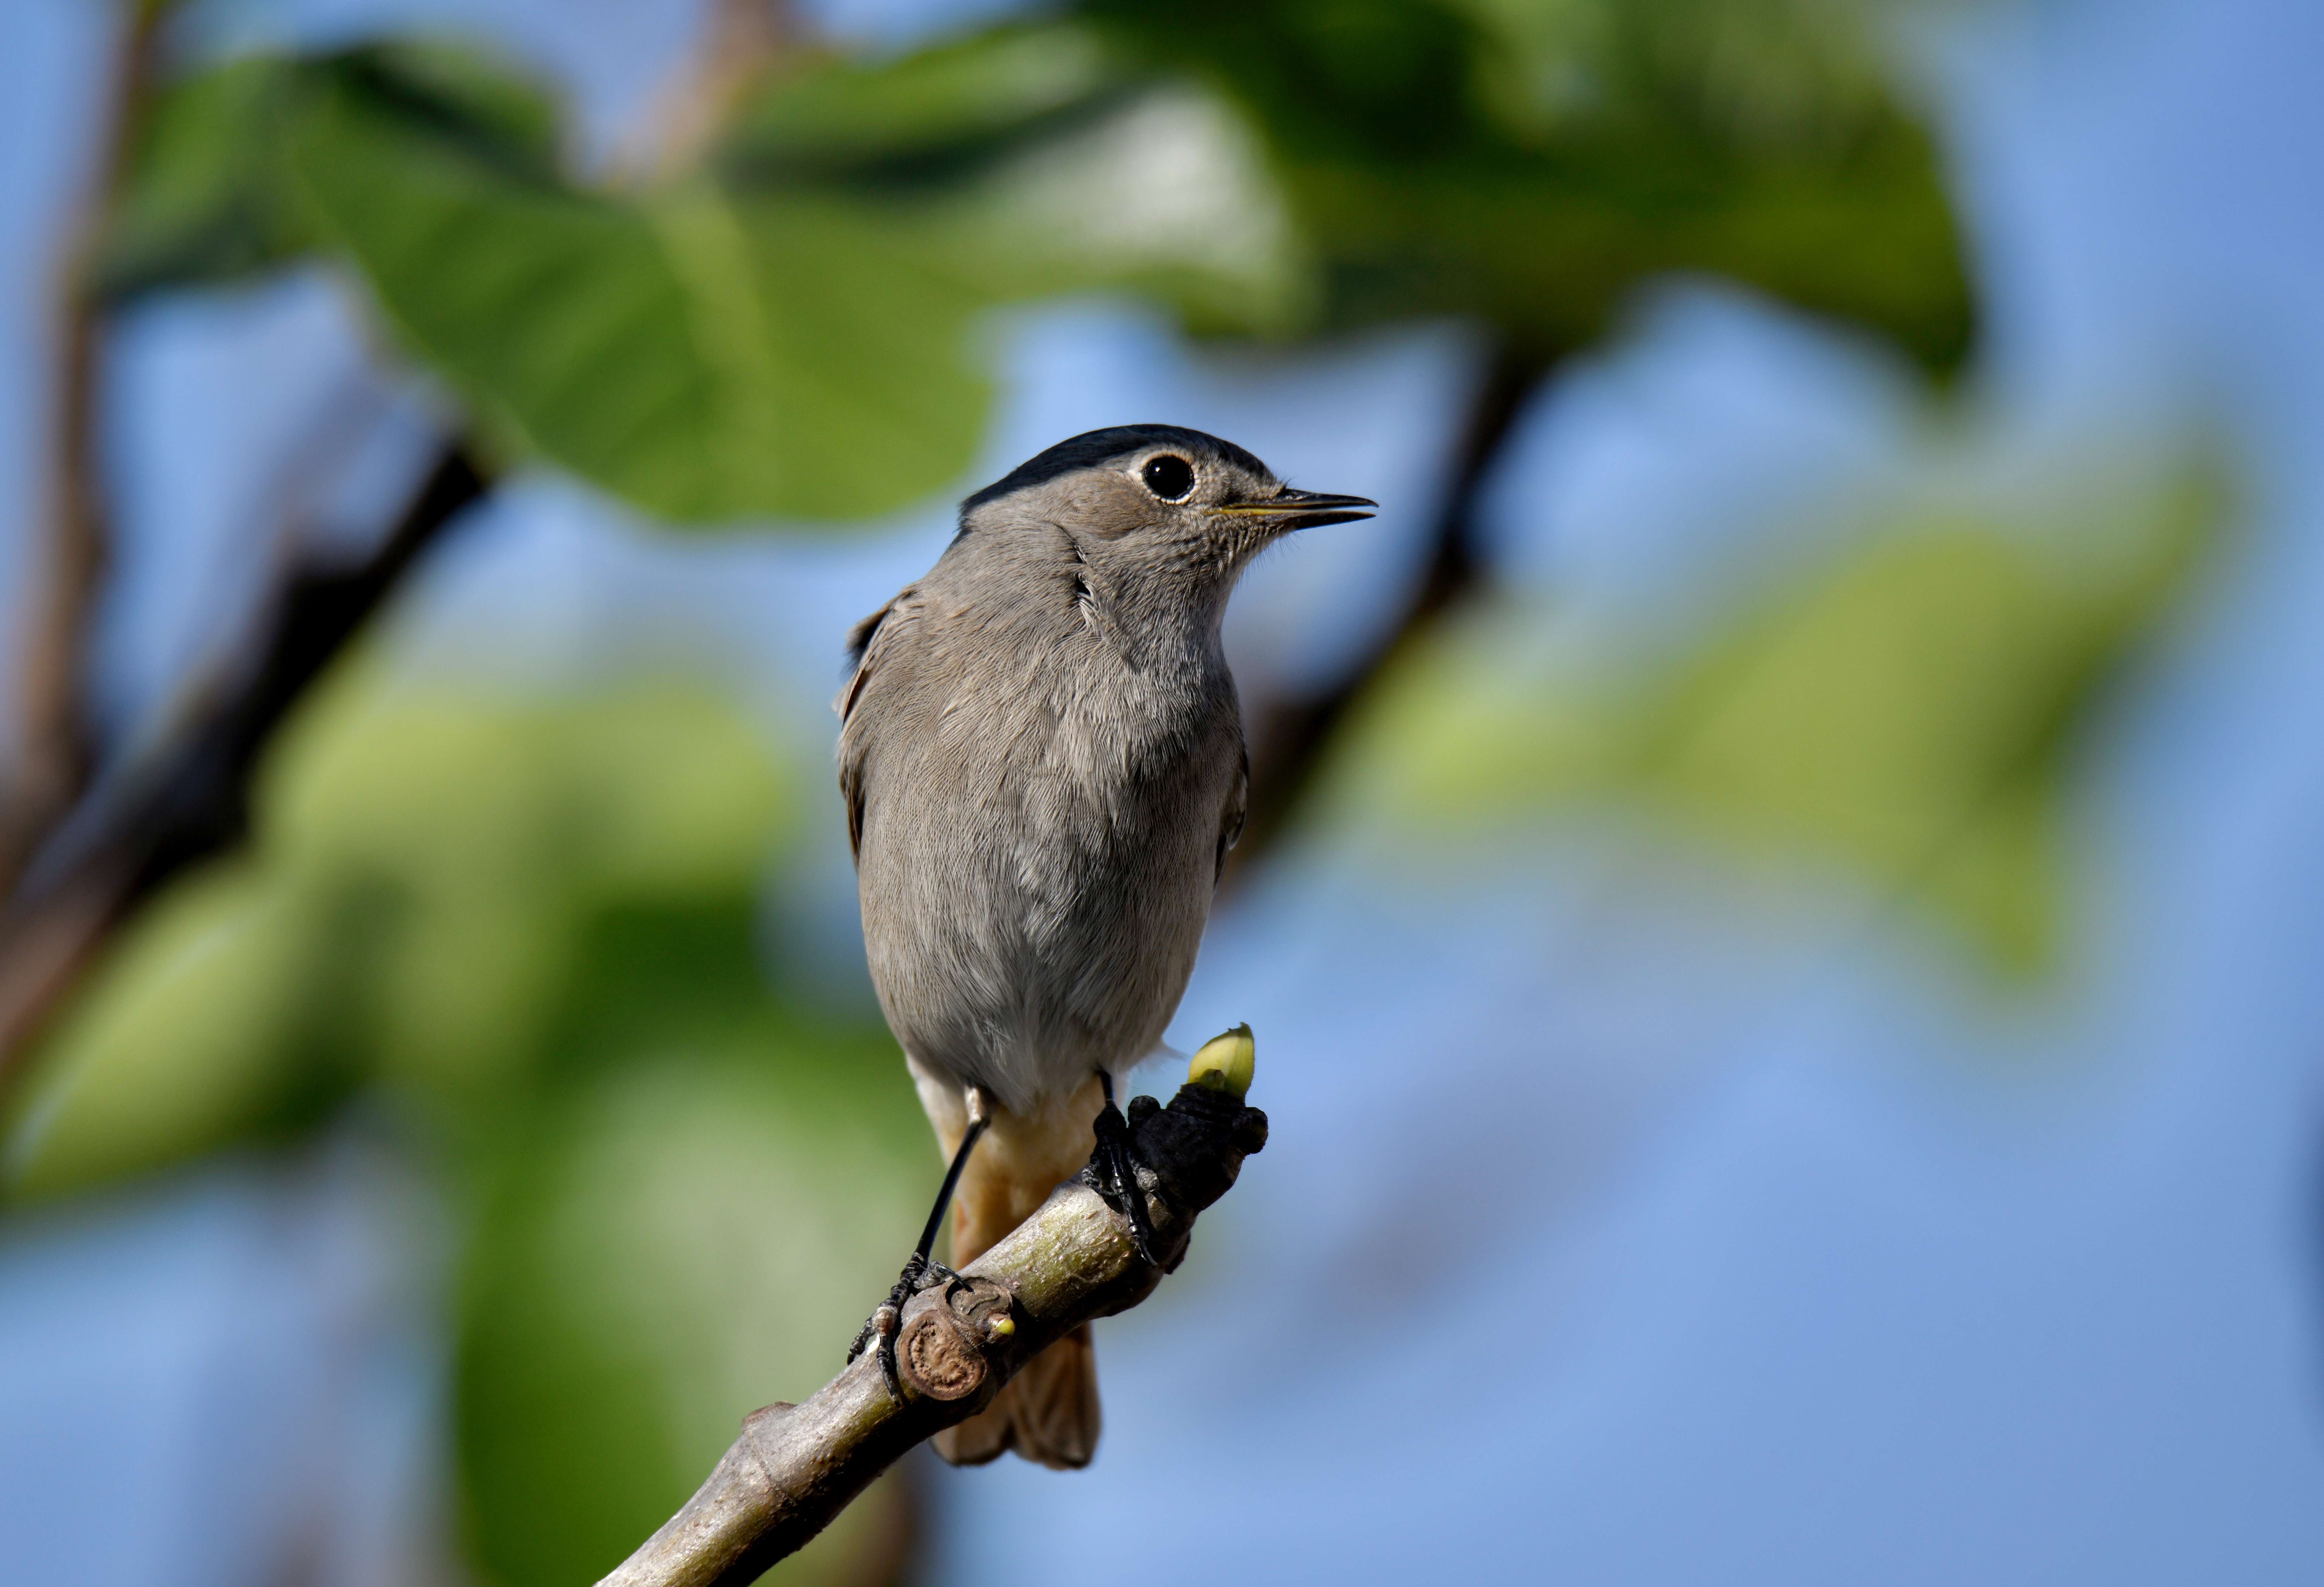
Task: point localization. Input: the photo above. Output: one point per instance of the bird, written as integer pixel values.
(1042, 762)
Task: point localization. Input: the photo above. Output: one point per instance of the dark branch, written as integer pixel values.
(796, 1467)
(149, 820)
(1289, 736)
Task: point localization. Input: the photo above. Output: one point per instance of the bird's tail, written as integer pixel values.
(1049, 1412)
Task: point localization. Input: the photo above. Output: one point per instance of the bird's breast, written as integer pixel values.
(1037, 866)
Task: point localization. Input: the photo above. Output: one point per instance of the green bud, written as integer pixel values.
(1226, 1063)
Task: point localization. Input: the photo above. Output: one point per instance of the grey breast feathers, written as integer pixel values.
(1037, 830)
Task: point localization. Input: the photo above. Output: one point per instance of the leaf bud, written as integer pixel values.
(1226, 1063)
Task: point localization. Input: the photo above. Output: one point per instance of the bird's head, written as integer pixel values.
(1155, 511)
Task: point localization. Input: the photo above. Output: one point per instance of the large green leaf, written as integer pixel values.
(1168, 193)
(1909, 711)
(917, 120)
(790, 330)
(705, 362)
(797, 356)
(789, 334)
(210, 198)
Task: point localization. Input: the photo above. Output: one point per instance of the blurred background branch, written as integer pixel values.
(1292, 732)
(55, 756)
(188, 799)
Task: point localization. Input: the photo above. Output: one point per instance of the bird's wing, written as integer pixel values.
(1238, 810)
(869, 642)
(860, 641)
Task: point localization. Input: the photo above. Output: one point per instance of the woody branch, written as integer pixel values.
(796, 1466)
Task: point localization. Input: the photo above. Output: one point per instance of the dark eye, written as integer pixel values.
(1169, 478)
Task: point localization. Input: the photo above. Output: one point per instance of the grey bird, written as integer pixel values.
(1042, 760)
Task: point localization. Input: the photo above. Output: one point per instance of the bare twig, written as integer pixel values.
(796, 1467)
(55, 757)
(744, 41)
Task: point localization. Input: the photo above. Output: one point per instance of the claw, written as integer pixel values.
(920, 1270)
(1113, 1173)
(887, 1321)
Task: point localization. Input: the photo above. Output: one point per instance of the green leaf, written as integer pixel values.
(918, 118)
(210, 198)
(214, 1022)
(474, 101)
(429, 873)
(205, 199)
(1030, 161)
(1533, 164)
(1909, 711)
(705, 362)
(674, 1246)
(790, 332)
(529, 925)
(1169, 194)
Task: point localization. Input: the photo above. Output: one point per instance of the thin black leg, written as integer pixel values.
(919, 1270)
(1113, 1172)
(951, 1182)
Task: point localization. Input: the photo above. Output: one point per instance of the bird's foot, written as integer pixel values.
(1113, 1173)
(881, 1328)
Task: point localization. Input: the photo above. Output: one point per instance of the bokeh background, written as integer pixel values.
(1784, 909)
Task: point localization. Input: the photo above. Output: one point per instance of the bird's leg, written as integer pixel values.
(921, 1271)
(1113, 1173)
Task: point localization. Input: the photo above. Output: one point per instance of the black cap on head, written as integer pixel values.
(1092, 447)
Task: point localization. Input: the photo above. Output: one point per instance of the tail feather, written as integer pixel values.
(1049, 1412)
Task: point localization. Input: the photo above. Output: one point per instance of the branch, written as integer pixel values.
(142, 825)
(1292, 735)
(56, 757)
(796, 1467)
(743, 42)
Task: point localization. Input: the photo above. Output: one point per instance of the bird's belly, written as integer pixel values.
(1028, 932)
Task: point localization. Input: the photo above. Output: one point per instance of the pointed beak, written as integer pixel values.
(1294, 509)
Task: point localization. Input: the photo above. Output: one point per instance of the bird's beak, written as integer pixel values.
(1304, 509)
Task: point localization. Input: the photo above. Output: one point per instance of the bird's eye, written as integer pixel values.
(1168, 476)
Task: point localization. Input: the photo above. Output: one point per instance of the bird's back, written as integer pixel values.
(1039, 804)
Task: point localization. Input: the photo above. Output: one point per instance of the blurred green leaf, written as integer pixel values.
(428, 870)
(528, 926)
(790, 330)
(1030, 161)
(1531, 165)
(215, 1021)
(705, 362)
(1909, 711)
(1169, 194)
(708, 361)
(475, 100)
(205, 199)
(800, 344)
(676, 1245)
(918, 119)
(210, 198)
